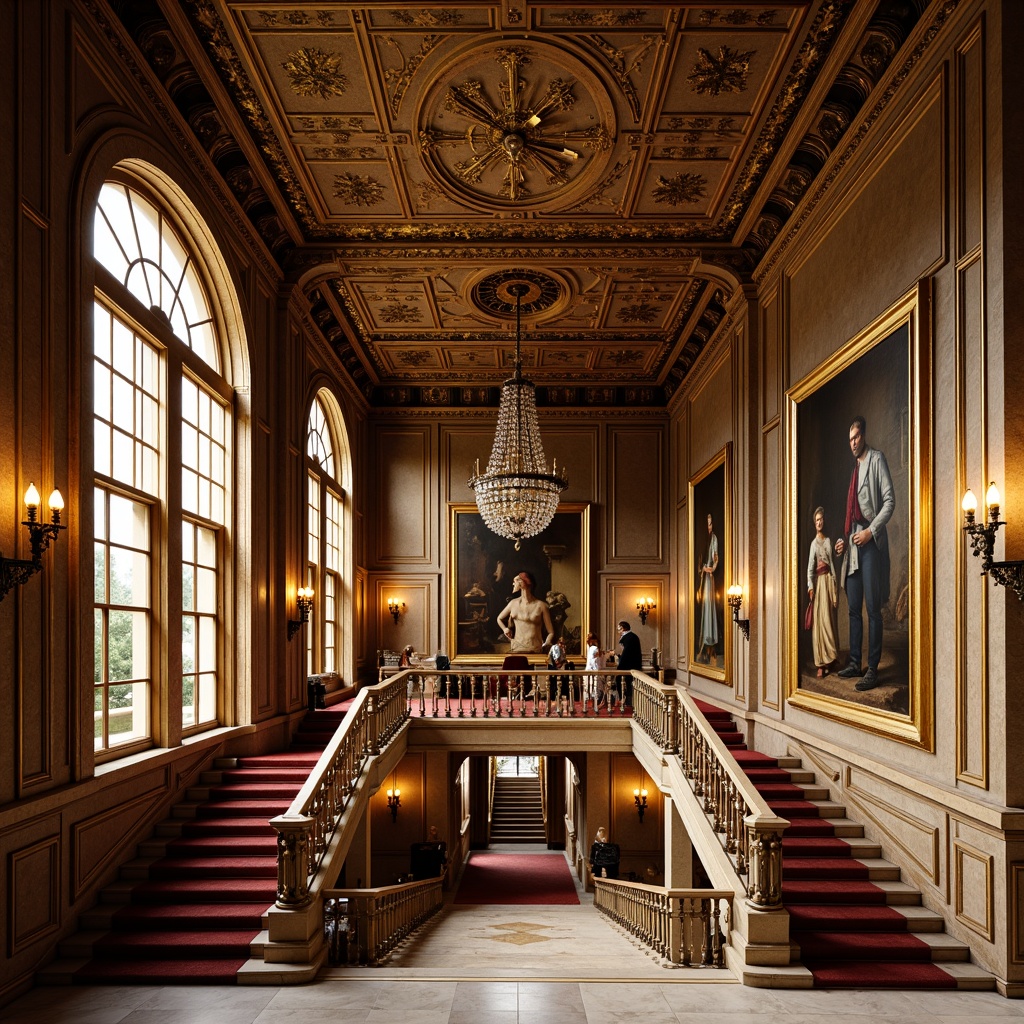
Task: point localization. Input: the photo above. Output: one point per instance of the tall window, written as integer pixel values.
(325, 539)
(162, 424)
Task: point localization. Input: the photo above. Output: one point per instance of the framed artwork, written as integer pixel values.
(483, 566)
(859, 498)
(710, 544)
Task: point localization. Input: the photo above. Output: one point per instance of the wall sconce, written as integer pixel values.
(640, 799)
(645, 606)
(394, 798)
(14, 571)
(735, 595)
(983, 539)
(395, 607)
(304, 598)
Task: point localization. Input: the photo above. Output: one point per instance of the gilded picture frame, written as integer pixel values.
(882, 376)
(710, 544)
(482, 566)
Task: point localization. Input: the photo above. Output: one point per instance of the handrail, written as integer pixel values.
(749, 830)
(305, 830)
(685, 926)
(364, 925)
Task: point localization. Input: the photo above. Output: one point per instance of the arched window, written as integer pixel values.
(326, 535)
(162, 429)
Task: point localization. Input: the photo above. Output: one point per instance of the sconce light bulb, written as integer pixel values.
(398, 793)
(391, 793)
(970, 502)
(31, 497)
(56, 502)
(992, 495)
(643, 793)
(735, 590)
(636, 792)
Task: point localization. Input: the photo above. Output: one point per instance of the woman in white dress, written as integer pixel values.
(823, 593)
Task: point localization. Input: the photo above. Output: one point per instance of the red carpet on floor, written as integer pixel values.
(529, 879)
(848, 936)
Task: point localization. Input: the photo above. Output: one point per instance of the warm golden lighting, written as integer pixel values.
(304, 599)
(645, 606)
(735, 598)
(15, 571)
(982, 536)
(395, 608)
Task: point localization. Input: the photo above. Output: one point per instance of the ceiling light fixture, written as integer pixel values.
(517, 496)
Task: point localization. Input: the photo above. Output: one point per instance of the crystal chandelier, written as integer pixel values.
(517, 496)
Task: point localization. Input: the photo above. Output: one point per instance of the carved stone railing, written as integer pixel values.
(688, 927)
(749, 831)
(305, 830)
(363, 926)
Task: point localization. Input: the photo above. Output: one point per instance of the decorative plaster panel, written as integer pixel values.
(33, 892)
(972, 888)
(887, 808)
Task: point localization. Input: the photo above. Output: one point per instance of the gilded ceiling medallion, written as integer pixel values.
(496, 293)
(516, 126)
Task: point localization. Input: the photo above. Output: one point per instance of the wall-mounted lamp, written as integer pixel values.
(735, 595)
(645, 606)
(304, 599)
(395, 607)
(394, 798)
(640, 799)
(14, 571)
(983, 539)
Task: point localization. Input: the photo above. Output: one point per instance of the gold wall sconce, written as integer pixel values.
(983, 539)
(640, 800)
(394, 798)
(395, 608)
(15, 571)
(735, 596)
(645, 606)
(304, 599)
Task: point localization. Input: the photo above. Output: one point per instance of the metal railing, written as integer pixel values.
(363, 926)
(685, 926)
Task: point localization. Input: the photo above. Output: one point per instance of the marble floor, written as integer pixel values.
(508, 965)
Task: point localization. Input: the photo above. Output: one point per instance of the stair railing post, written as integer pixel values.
(764, 860)
(294, 838)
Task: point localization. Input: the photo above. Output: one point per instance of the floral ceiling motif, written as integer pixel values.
(632, 162)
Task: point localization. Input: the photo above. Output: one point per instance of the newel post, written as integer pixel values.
(294, 838)
(764, 852)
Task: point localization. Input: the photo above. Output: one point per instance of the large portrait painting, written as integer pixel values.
(859, 490)
(710, 544)
(484, 566)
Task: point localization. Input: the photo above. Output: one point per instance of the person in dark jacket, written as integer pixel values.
(630, 657)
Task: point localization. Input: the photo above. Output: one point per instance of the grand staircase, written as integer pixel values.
(854, 922)
(186, 910)
(517, 814)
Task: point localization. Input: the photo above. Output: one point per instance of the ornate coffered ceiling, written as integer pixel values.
(405, 161)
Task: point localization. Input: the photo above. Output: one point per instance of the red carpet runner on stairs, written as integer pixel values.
(848, 936)
(192, 920)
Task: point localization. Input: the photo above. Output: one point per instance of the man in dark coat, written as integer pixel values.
(630, 657)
